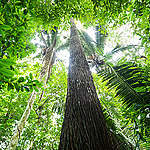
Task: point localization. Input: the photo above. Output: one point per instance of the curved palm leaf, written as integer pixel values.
(132, 88)
(87, 43)
(127, 79)
(64, 45)
(120, 48)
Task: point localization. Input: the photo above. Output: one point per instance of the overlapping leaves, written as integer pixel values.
(9, 79)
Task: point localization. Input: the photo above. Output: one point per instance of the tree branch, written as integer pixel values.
(43, 39)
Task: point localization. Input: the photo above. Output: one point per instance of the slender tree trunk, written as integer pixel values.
(84, 126)
(21, 124)
(48, 61)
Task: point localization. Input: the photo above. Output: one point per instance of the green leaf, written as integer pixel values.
(5, 27)
(4, 57)
(36, 81)
(6, 72)
(10, 86)
(36, 89)
(21, 79)
(17, 87)
(31, 77)
(22, 88)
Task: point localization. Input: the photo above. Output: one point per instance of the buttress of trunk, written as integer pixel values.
(84, 126)
(48, 61)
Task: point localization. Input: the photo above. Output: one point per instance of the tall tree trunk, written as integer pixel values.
(84, 126)
(48, 61)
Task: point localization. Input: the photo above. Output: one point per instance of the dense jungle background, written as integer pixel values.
(99, 98)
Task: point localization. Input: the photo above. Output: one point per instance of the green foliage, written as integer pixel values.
(10, 81)
(6, 68)
(87, 43)
(12, 105)
(58, 13)
(15, 36)
(15, 33)
(140, 10)
(126, 115)
(120, 127)
(44, 131)
(132, 87)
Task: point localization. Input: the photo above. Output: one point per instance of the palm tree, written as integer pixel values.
(84, 125)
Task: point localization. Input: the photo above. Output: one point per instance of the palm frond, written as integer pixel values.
(63, 46)
(121, 49)
(126, 79)
(87, 43)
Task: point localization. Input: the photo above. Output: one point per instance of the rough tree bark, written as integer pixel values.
(84, 126)
(46, 69)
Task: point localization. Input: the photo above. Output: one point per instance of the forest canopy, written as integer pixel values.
(104, 88)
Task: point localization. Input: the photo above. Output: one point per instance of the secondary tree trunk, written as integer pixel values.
(47, 65)
(84, 126)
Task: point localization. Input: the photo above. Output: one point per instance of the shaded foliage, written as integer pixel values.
(132, 87)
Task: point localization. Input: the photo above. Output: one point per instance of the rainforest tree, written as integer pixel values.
(84, 125)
